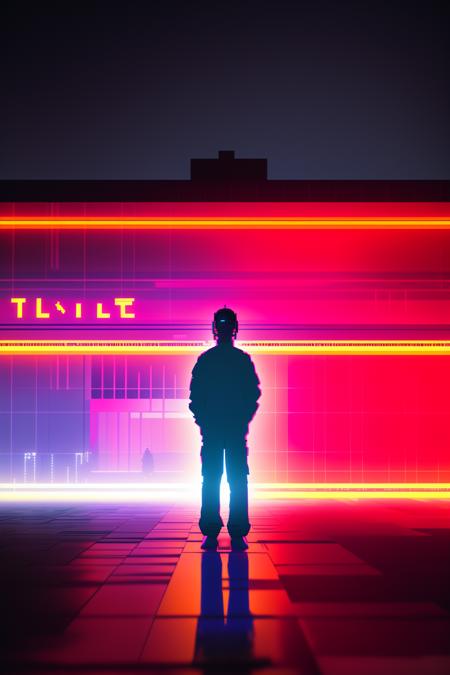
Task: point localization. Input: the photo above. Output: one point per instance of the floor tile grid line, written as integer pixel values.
(147, 636)
(430, 531)
(269, 615)
(105, 580)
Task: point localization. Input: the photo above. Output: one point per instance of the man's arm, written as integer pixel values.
(196, 389)
(251, 390)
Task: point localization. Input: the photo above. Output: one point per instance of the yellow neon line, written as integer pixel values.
(283, 347)
(345, 486)
(144, 492)
(89, 495)
(98, 486)
(352, 494)
(263, 487)
(224, 223)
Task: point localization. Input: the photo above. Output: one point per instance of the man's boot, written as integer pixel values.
(209, 543)
(239, 543)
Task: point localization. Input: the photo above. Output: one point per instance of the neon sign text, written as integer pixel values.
(40, 308)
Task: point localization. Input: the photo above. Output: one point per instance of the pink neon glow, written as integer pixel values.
(226, 209)
(321, 419)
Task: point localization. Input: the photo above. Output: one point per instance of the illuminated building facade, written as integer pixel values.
(342, 293)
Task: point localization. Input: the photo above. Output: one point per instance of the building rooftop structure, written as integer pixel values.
(225, 178)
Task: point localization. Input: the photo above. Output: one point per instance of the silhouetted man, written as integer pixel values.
(147, 463)
(224, 393)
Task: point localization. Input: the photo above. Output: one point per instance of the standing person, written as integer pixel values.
(223, 399)
(147, 463)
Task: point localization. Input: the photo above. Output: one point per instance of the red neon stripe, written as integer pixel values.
(226, 210)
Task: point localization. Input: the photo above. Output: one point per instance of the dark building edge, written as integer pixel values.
(223, 190)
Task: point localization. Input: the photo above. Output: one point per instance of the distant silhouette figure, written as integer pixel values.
(223, 398)
(147, 463)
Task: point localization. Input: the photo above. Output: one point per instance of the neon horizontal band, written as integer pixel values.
(352, 494)
(10, 492)
(353, 486)
(222, 223)
(167, 347)
(255, 486)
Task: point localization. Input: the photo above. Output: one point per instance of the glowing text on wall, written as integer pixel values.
(42, 308)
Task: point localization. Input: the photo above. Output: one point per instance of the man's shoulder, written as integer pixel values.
(205, 356)
(207, 353)
(234, 351)
(216, 352)
(243, 355)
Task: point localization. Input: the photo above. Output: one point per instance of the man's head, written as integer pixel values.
(225, 324)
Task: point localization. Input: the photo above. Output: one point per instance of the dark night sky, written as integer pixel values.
(134, 90)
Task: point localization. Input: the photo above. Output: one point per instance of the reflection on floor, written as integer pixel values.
(333, 587)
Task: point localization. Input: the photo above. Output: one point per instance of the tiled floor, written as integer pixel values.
(334, 587)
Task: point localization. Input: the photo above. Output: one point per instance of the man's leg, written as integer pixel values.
(237, 471)
(212, 468)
